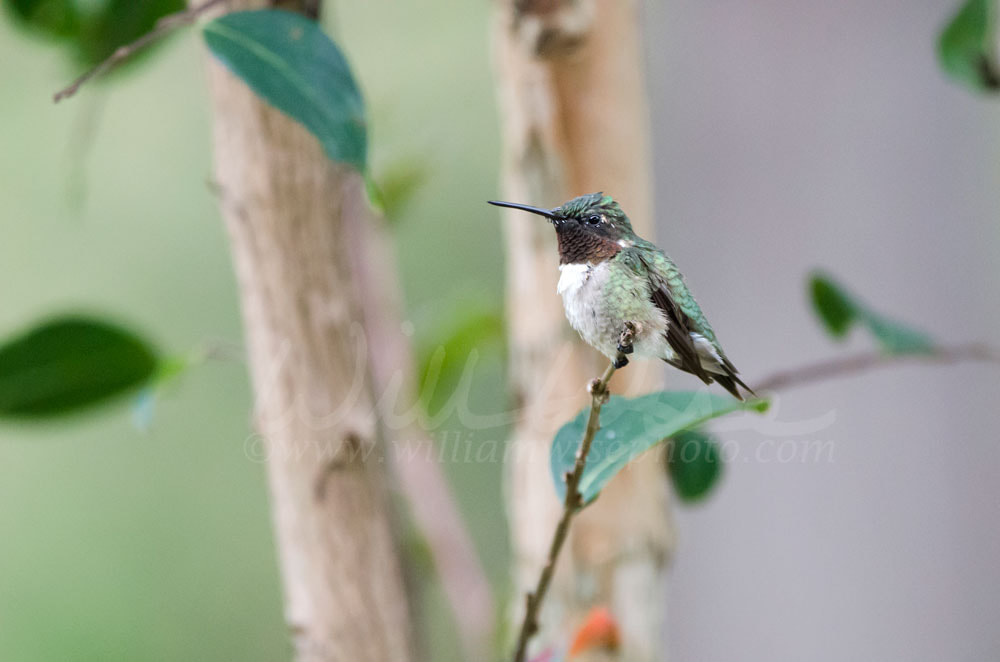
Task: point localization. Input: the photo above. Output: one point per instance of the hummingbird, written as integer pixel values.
(611, 278)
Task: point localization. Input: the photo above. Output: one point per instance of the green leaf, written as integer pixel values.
(835, 310)
(895, 338)
(288, 61)
(374, 193)
(121, 22)
(70, 363)
(838, 309)
(630, 427)
(966, 47)
(169, 370)
(694, 463)
(93, 31)
(57, 18)
(398, 183)
(444, 363)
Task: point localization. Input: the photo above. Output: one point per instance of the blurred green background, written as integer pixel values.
(119, 544)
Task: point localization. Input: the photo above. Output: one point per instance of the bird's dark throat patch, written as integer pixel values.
(577, 245)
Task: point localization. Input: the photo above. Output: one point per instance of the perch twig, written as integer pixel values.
(598, 389)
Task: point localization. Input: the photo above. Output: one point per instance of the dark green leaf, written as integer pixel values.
(630, 427)
(835, 310)
(287, 60)
(966, 47)
(694, 463)
(57, 18)
(838, 309)
(93, 31)
(121, 22)
(70, 363)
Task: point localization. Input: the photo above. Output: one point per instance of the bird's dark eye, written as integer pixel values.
(594, 220)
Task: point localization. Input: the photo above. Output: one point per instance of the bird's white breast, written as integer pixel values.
(599, 321)
(572, 277)
(580, 286)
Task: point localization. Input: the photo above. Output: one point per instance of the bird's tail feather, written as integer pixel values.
(729, 383)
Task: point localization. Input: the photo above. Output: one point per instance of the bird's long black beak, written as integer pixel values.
(547, 213)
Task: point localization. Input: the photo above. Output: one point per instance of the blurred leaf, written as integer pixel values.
(57, 18)
(694, 464)
(835, 310)
(418, 552)
(144, 404)
(170, 368)
(630, 427)
(838, 310)
(70, 363)
(443, 364)
(399, 182)
(93, 32)
(374, 194)
(967, 49)
(121, 22)
(288, 60)
(896, 338)
(391, 192)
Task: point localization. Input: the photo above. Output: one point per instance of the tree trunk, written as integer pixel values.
(286, 207)
(573, 109)
(418, 469)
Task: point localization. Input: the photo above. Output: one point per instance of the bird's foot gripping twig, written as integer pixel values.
(626, 338)
(625, 345)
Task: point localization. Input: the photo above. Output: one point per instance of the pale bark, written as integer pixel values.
(286, 206)
(573, 109)
(417, 465)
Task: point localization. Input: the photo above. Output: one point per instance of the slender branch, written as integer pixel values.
(163, 27)
(810, 373)
(598, 390)
(867, 361)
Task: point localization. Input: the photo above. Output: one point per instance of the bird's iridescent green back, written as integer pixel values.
(645, 257)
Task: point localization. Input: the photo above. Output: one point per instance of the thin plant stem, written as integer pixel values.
(571, 503)
(164, 26)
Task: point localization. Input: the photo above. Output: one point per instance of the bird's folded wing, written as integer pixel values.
(679, 324)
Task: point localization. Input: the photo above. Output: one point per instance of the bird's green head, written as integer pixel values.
(597, 211)
(591, 228)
